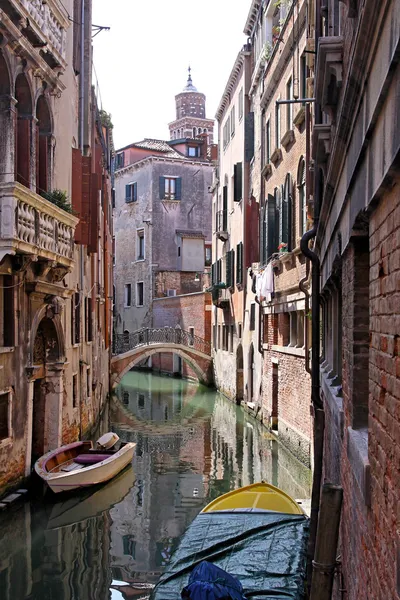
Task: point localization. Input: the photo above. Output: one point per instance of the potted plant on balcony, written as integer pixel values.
(59, 198)
(282, 248)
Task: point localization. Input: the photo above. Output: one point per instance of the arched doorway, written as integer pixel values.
(46, 388)
(23, 138)
(239, 374)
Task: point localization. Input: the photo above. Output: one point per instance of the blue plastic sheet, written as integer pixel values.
(209, 582)
(265, 551)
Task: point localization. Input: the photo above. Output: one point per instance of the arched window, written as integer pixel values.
(204, 130)
(23, 137)
(199, 131)
(301, 186)
(286, 236)
(6, 124)
(43, 152)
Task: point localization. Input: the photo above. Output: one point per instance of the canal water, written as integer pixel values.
(113, 542)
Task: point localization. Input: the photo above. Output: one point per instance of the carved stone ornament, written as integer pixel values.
(57, 274)
(54, 307)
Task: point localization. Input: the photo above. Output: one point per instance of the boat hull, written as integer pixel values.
(88, 476)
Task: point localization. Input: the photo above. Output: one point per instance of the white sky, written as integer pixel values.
(141, 63)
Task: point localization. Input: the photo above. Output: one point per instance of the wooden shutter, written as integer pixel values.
(225, 208)
(237, 182)
(239, 263)
(178, 188)
(76, 196)
(213, 273)
(249, 136)
(86, 184)
(252, 316)
(94, 212)
(285, 217)
(128, 193)
(134, 192)
(233, 268)
(271, 244)
(219, 270)
(263, 234)
(228, 267)
(162, 188)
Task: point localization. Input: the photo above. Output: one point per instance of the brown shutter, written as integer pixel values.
(77, 191)
(94, 212)
(86, 184)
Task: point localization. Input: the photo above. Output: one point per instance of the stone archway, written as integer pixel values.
(46, 384)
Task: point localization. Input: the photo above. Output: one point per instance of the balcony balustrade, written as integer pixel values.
(31, 225)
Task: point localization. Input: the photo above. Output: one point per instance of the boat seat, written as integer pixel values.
(90, 459)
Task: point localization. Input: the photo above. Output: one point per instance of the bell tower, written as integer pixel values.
(191, 120)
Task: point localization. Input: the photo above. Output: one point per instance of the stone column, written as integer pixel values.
(7, 138)
(54, 404)
(28, 450)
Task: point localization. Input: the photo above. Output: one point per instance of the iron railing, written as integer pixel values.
(123, 342)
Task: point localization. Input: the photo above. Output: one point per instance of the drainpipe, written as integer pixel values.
(317, 405)
(81, 144)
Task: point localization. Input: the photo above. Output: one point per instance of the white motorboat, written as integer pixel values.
(80, 465)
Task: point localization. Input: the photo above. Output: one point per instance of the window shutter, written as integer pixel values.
(225, 208)
(239, 263)
(233, 268)
(178, 188)
(249, 137)
(213, 282)
(77, 36)
(228, 266)
(162, 188)
(263, 256)
(237, 178)
(219, 270)
(271, 244)
(285, 216)
(128, 193)
(134, 199)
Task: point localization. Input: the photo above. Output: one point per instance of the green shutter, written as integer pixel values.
(228, 266)
(237, 181)
(213, 272)
(178, 188)
(162, 188)
(219, 270)
(249, 136)
(233, 267)
(128, 192)
(239, 263)
(263, 257)
(134, 199)
(225, 208)
(271, 242)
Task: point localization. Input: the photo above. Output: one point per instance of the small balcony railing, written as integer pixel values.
(47, 24)
(31, 225)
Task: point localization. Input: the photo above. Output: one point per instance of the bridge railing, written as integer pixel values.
(123, 342)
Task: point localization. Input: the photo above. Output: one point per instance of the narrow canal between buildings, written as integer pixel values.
(192, 446)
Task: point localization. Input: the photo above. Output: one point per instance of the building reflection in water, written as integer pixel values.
(192, 445)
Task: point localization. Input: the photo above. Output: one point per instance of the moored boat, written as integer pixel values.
(258, 534)
(80, 465)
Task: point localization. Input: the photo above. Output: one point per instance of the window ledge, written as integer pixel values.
(287, 350)
(267, 170)
(357, 451)
(333, 399)
(140, 260)
(276, 156)
(6, 442)
(288, 138)
(6, 349)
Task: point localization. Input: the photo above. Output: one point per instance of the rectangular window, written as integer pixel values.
(140, 244)
(252, 316)
(131, 192)
(7, 314)
(303, 77)
(214, 337)
(113, 198)
(219, 337)
(170, 188)
(139, 293)
(289, 107)
(300, 329)
(207, 259)
(88, 319)
(268, 141)
(240, 331)
(4, 416)
(75, 390)
(171, 292)
(293, 329)
(192, 151)
(277, 126)
(76, 329)
(113, 249)
(191, 336)
(88, 394)
(239, 263)
(241, 104)
(231, 338)
(120, 160)
(128, 295)
(141, 400)
(233, 121)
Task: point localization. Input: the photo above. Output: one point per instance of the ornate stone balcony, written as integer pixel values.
(31, 225)
(44, 24)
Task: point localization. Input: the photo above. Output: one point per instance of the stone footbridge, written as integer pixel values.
(131, 348)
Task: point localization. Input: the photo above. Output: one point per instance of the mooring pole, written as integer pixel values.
(324, 562)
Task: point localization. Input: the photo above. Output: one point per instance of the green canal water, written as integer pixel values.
(113, 542)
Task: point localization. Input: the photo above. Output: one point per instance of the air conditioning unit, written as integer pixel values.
(171, 292)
